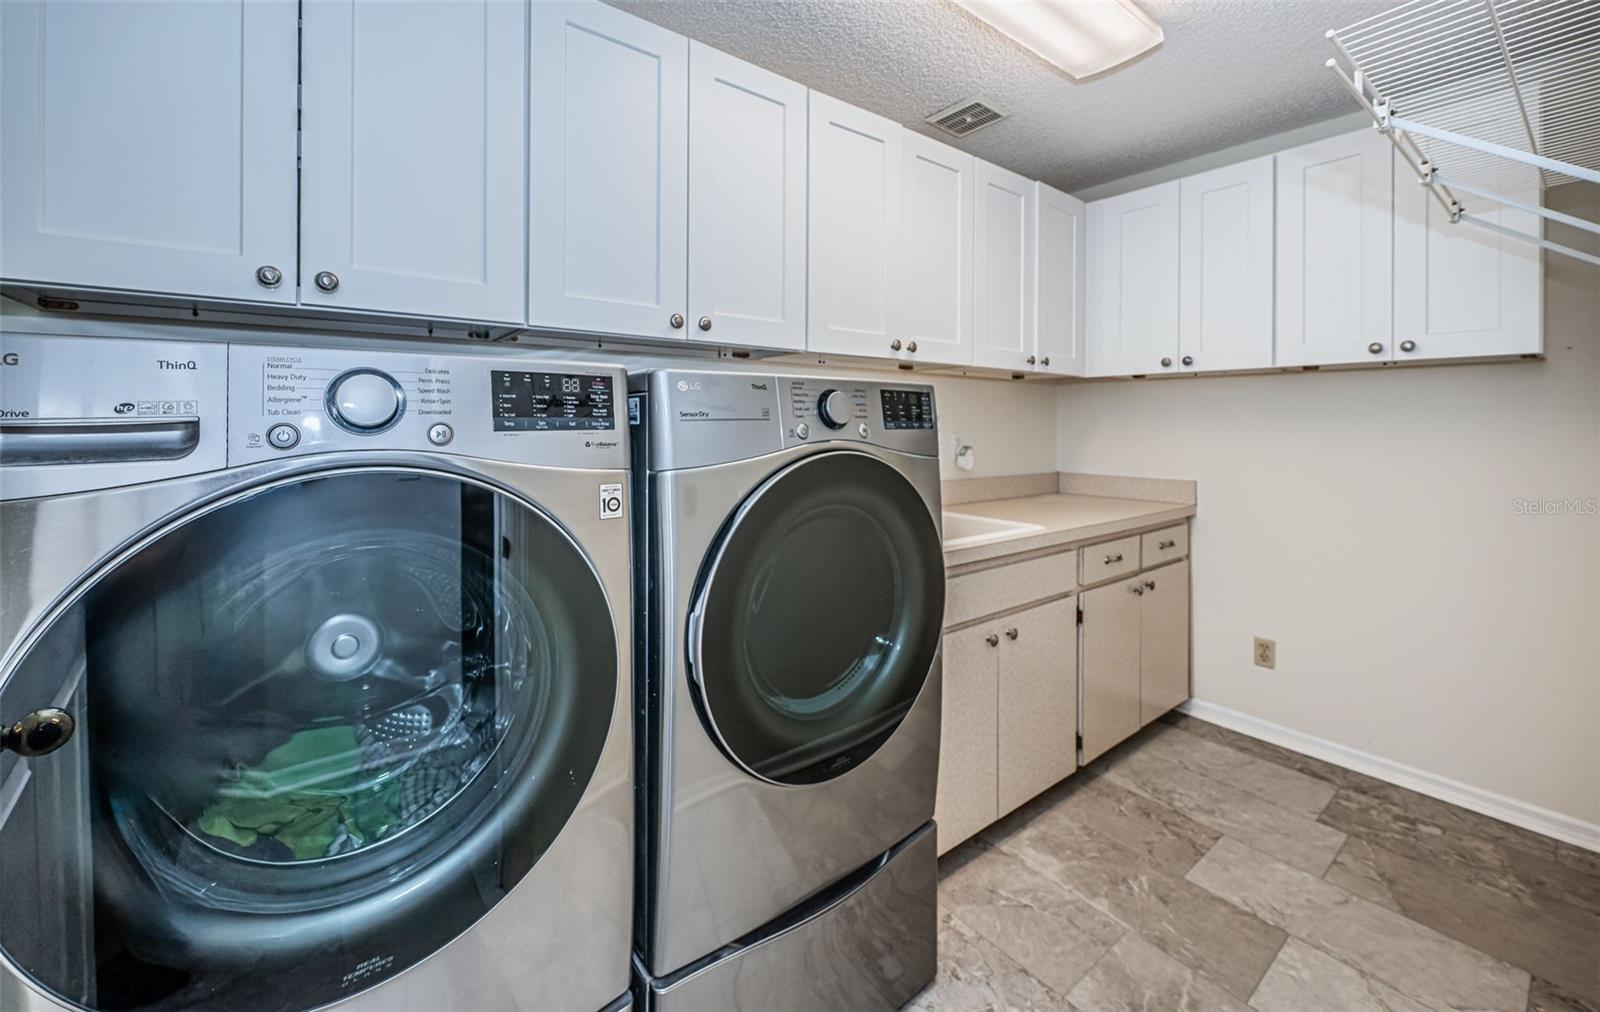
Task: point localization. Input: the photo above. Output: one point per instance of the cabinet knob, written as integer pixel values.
(992, 640)
(1045, 360)
(676, 319)
(1113, 558)
(1137, 589)
(1188, 360)
(705, 323)
(894, 345)
(1011, 633)
(327, 281)
(1166, 363)
(1408, 346)
(1032, 360)
(1375, 348)
(1149, 585)
(269, 276)
(912, 347)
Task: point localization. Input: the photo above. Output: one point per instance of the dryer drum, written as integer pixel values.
(324, 727)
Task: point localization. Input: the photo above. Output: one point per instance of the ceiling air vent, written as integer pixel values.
(964, 117)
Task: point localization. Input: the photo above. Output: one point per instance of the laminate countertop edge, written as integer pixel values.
(1068, 521)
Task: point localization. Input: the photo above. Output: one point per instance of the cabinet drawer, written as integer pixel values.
(1165, 545)
(974, 595)
(1109, 560)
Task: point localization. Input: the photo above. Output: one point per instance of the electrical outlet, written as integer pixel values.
(1266, 653)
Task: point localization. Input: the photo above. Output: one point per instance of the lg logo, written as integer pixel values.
(10, 358)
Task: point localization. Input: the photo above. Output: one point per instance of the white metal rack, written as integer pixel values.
(1497, 99)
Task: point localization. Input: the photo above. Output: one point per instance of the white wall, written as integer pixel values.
(1366, 521)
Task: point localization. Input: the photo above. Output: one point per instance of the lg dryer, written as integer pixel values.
(318, 665)
(792, 592)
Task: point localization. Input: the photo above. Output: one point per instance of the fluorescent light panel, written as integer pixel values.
(1082, 37)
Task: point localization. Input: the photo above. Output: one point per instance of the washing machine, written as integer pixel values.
(791, 594)
(315, 677)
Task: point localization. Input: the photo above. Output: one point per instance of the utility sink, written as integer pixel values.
(963, 530)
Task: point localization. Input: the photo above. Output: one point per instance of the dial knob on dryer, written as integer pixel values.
(365, 400)
(834, 408)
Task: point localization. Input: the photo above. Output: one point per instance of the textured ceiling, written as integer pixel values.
(1230, 71)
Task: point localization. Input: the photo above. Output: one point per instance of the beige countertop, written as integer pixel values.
(1066, 519)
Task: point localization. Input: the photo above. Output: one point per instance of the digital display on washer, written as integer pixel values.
(907, 409)
(546, 402)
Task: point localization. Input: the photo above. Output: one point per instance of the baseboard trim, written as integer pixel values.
(1543, 821)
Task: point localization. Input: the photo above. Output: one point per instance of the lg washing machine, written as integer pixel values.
(315, 679)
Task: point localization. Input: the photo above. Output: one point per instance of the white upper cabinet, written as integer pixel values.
(747, 203)
(150, 146)
(1335, 229)
(855, 237)
(936, 309)
(608, 186)
(1002, 287)
(1059, 282)
(1461, 290)
(1225, 268)
(412, 176)
(1133, 270)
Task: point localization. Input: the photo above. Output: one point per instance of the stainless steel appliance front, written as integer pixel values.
(352, 709)
(797, 592)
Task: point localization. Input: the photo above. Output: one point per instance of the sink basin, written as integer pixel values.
(963, 530)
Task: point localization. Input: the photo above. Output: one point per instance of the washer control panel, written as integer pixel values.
(290, 401)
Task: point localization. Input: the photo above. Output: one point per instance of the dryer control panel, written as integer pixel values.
(704, 418)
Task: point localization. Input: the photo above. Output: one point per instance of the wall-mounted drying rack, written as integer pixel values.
(1499, 99)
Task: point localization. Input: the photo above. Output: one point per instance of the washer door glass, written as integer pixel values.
(321, 728)
(818, 617)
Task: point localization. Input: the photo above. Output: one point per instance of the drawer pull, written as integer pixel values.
(1163, 546)
(1112, 559)
(1011, 633)
(1149, 585)
(992, 640)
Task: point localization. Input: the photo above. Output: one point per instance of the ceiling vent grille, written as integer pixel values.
(965, 117)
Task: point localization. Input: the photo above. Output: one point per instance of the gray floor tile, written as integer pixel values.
(1043, 926)
(1547, 997)
(1289, 789)
(1200, 930)
(1302, 842)
(1135, 976)
(1422, 963)
(974, 976)
(1304, 978)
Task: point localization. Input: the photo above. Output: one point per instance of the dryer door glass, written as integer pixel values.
(322, 727)
(818, 617)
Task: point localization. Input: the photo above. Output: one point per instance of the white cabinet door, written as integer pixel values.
(1058, 282)
(414, 134)
(936, 299)
(1038, 701)
(149, 147)
(1163, 640)
(1133, 325)
(1461, 290)
(1225, 268)
(965, 801)
(1110, 703)
(854, 226)
(1335, 246)
(1002, 286)
(608, 172)
(747, 203)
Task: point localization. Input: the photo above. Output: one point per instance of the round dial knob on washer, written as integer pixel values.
(834, 408)
(365, 400)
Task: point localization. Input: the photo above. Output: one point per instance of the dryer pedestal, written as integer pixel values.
(869, 941)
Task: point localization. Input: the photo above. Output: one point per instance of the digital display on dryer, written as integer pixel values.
(548, 402)
(907, 409)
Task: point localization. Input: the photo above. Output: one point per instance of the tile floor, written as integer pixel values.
(1195, 869)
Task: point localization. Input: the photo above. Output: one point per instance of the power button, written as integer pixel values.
(283, 436)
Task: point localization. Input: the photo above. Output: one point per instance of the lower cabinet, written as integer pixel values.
(1135, 654)
(1009, 715)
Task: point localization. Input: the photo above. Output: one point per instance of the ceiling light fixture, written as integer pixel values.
(1082, 37)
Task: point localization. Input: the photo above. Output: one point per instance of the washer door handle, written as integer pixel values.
(38, 733)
